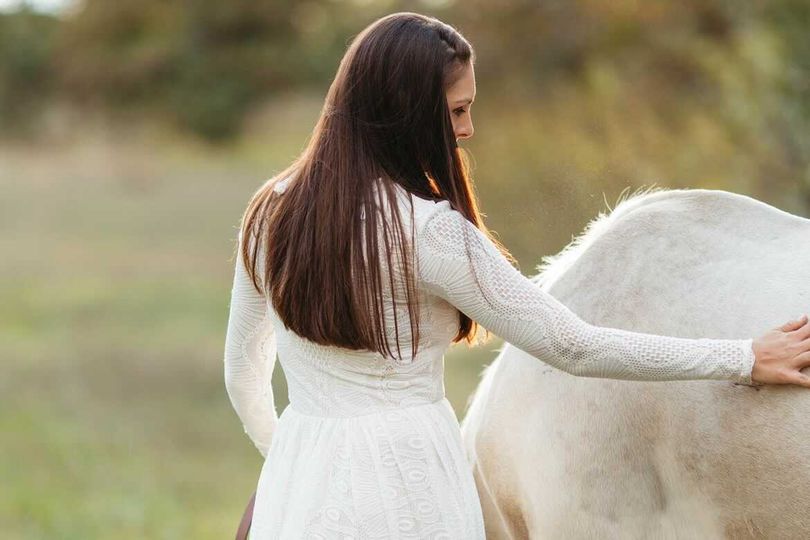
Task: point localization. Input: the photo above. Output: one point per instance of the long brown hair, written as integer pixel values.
(385, 117)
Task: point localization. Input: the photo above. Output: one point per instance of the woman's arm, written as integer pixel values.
(250, 356)
(484, 285)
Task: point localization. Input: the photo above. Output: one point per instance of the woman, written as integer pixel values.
(377, 259)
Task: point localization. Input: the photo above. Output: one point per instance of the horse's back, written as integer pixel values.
(569, 457)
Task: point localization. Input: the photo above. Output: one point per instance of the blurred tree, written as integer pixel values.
(26, 47)
(201, 63)
(791, 18)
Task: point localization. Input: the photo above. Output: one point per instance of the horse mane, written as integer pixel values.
(553, 266)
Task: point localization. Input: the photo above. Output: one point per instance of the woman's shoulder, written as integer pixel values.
(280, 184)
(423, 207)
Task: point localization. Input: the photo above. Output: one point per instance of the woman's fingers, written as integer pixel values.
(803, 332)
(782, 353)
(802, 360)
(797, 377)
(794, 324)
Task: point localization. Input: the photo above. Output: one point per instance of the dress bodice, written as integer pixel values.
(339, 382)
(332, 381)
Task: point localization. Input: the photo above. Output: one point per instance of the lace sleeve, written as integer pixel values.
(457, 262)
(250, 356)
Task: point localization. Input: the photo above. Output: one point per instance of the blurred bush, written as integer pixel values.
(201, 64)
(26, 49)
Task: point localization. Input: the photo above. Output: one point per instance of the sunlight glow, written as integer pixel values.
(43, 6)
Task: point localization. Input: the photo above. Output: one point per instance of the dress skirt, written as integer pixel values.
(396, 473)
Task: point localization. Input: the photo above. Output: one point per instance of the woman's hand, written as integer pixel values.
(781, 353)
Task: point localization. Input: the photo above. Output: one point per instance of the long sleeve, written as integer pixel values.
(250, 356)
(479, 281)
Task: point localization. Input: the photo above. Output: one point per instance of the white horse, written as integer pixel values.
(563, 457)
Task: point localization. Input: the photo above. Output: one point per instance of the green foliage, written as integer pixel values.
(792, 19)
(26, 46)
(202, 65)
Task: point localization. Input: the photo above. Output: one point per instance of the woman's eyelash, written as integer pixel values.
(459, 111)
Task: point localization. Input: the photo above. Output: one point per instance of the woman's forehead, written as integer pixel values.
(463, 89)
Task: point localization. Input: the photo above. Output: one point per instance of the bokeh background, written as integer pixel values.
(133, 133)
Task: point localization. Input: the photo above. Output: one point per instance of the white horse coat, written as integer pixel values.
(563, 457)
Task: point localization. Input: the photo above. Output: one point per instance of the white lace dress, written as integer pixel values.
(370, 448)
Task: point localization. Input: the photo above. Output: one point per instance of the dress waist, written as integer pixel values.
(392, 410)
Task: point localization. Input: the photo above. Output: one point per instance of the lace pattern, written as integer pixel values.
(250, 355)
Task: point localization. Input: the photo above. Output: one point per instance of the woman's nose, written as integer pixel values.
(465, 133)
